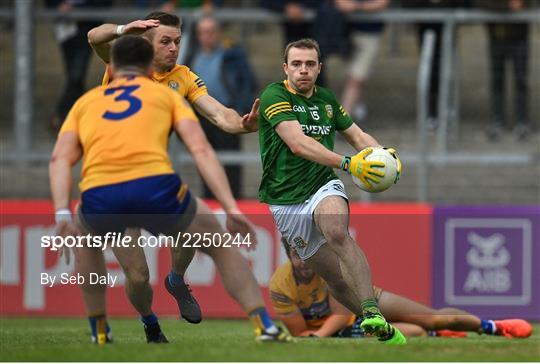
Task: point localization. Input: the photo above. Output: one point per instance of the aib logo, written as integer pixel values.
(488, 259)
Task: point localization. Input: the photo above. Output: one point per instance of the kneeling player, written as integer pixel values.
(304, 304)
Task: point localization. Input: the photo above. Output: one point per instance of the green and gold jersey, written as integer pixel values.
(289, 179)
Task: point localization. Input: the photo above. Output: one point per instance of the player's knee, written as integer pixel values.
(138, 277)
(336, 236)
(229, 257)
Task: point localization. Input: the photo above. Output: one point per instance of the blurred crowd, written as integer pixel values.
(357, 42)
(225, 66)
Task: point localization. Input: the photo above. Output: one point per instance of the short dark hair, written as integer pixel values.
(164, 18)
(305, 43)
(132, 51)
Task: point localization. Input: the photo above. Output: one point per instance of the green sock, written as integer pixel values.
(370, 308)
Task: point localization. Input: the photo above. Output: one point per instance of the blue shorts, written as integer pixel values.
(159, 204)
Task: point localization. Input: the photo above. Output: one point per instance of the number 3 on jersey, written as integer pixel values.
(135, 103)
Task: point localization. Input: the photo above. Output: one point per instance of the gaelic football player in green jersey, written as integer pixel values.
(297, 125)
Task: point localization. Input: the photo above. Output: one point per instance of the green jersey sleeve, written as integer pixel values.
(276, 106)
(342, 119)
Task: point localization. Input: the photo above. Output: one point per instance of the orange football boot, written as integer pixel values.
(513, 328)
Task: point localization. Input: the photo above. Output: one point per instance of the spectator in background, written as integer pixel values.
(76, 53)
(327, 27)
(296, 26)
(331, 32)
(508, 42)
(229, 78)
(365, 37)
(437, 28)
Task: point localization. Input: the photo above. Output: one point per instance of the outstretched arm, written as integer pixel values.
(226, 118)
(100, 37)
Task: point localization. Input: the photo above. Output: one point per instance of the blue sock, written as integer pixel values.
(259, 316)
(92, 320)
(150, 319)
(488, 327)
(175, 279)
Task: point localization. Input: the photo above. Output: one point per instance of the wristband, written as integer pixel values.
(120, 30)
(62, 215)
(345, 164)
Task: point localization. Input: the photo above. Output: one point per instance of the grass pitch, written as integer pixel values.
(39, 339)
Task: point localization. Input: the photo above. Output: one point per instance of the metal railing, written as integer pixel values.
(259, 15)
(422, 96)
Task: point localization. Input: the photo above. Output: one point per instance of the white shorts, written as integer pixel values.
(296, 224)
(365, 49)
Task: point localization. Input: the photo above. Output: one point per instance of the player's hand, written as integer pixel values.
(237, 223)
(250, 121)
(138, 27)
(66, 228)
(392, 151)
(363, 169)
